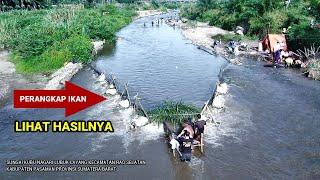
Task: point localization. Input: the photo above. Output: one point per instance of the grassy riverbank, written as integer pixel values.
(41, 41)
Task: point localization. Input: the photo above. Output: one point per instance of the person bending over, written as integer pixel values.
(185, 146)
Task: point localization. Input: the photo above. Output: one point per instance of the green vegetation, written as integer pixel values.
(228, 37)
(260, 17)
(8, 5)
(174, 112)
(43, 40)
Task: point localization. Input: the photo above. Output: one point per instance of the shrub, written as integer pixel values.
(46, 63)
(258, 26)
(190, 12)
(302, 35)
(208, 15)
(79, 46)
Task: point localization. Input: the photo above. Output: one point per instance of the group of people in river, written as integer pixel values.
(156, 22)
(190, 135)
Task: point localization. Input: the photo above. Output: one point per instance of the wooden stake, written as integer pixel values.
(201, 144)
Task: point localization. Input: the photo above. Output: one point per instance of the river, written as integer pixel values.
(270, 129)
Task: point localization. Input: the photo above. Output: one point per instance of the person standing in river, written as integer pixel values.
(199, 127)
(185, 144)
(277, 53)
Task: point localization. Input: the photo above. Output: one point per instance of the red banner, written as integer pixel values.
(73, 98)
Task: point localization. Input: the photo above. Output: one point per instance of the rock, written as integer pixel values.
(184, 20)
(140, 121)
(222, 88)
(298, 62)
(102, 78)
(124, 103)
(62, 75)
(111, 86)
(288, 61)
(314, 74)
(111, 91)
(236, 51)
(103, 83)
(218, 102)
(97, 46)
(240, 28)
(240, 32)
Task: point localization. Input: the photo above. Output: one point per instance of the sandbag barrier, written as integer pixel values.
(127, 101)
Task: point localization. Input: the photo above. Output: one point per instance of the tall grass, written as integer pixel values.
(43, 40)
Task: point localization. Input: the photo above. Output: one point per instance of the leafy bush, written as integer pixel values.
(302, 35)
(257, 25)
(191, 12)
(80, 48)
(155, 4)
(208, 15)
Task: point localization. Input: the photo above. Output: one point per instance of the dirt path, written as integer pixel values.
(10, 79)
(7, 70)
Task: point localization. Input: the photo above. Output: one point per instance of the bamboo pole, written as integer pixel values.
(202, 143)
(128, 96)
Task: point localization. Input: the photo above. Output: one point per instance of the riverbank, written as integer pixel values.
(44, 40)
(10, 78)
(145, 13)
(202, 34)
(47, 48)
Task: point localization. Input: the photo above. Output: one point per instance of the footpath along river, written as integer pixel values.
(270, 128)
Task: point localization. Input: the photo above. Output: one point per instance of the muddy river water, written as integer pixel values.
(269, 130)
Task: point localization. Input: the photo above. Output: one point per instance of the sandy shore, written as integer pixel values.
(201, 35)
(146, 13)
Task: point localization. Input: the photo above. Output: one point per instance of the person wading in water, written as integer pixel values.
(185, 146)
